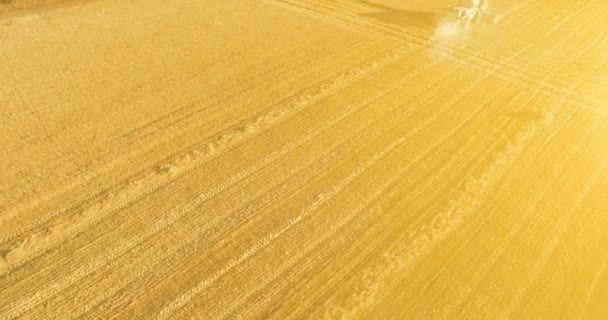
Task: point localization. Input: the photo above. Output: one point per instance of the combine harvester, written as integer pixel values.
(474, 12)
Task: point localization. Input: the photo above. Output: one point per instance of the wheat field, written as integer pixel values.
(316, 159)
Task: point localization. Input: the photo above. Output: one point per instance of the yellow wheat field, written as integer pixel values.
(318, 159)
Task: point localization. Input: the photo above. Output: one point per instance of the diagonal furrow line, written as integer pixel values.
(392, 89)
(501, 249)
(322, 199)
(273, 118)
(395, 87)
(18, 307)
(540, 150)
(122, 182)
(238, 88)
(390, 29)
(369, 201)
(554, 241)
(594, 283)
(478, 61)
(484, 268)
(561, 104)
(374, 27)
(438, 81)
(483, 181)
(384, 26)
(423, 241)
(503, 63)
(516, 229)
(365, 136)
(415, 222)
(437, 233)
(203, 284)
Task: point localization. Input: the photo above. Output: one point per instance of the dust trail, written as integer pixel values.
(453, 32)
(447, 33)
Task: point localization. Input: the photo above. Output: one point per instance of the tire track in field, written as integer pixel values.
(379, 28)
(272, 197)
(99, 196)
(366, 288)
(521, 51)
(387, 26)
(187, 156)
(422, 241)
(394, 87)
(163, 174)
(203, 284)
(393, 180)
(548, 250)
(321, 200)
(466, 290)
(388, 121)
(473, 197)
(416, 129)
(523, 68)
(18, 307)
(477, 61)
(501, 249)
(562, 103)
(366, 103)
(325, 286)
(546, 253)
(594, 284)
